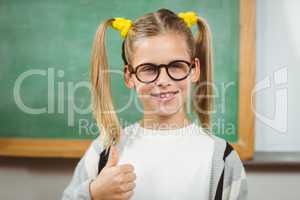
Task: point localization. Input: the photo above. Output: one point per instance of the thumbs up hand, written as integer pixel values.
(113, 157)
(114, 181)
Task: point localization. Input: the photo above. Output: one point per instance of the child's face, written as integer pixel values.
(161, 49)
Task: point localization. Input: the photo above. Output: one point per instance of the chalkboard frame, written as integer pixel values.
(247, 69)
(17, 147)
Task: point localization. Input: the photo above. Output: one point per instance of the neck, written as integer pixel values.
(177, 120)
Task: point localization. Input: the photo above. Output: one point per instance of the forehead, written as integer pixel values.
(160, 49)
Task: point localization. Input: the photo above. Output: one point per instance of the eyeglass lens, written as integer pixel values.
(149, 72)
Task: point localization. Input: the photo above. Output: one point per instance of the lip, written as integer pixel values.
(157, 94)
(170, 96)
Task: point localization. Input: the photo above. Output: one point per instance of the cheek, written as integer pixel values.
(183, 87)
(143, 90)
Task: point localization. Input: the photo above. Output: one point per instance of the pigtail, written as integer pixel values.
(203, 51)
(103, 109)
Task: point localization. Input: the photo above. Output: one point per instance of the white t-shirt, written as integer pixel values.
(169, 164)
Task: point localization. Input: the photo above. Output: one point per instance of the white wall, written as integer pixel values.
(273, 183)
(278, 58)
(34, 179)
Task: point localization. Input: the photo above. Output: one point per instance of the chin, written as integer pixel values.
(166, 110)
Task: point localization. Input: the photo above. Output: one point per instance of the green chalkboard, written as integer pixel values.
(45, 48)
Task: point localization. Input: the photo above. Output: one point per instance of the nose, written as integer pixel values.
(163, 78)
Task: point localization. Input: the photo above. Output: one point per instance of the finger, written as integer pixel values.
(129, 177)
(125, 187)
(124, 178)
(125, 168)
(124, 195)
(113, 158)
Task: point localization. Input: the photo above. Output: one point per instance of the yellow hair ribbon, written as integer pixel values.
(190, 18)
(123, 25)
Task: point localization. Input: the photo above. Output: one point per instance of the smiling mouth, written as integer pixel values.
(165, 94)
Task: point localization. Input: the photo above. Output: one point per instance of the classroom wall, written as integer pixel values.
(36, 179)
(278, 63)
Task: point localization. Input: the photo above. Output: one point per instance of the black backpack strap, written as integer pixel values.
(219, 191)
(103, 159)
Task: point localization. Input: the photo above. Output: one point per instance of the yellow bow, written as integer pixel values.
(190, 18)
(123, 25)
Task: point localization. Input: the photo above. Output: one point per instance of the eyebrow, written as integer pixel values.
(146, 63)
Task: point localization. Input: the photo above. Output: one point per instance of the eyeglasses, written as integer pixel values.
(177, 70)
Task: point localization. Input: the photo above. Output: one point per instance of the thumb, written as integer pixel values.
(113, 157)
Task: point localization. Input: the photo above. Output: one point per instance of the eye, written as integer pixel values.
(182, 66)
(177, 65)
(146, 68)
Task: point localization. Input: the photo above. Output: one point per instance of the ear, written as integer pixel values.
(196, 71)
(128, 77)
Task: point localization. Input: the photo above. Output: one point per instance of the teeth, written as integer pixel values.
(165, 95)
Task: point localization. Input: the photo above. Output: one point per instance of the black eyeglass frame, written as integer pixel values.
(158, 67)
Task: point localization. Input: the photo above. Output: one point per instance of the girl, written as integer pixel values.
(164, 155)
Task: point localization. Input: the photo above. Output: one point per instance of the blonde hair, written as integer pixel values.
(151, 24)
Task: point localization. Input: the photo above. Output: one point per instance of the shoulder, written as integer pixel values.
(218, 142)
(224, 150)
